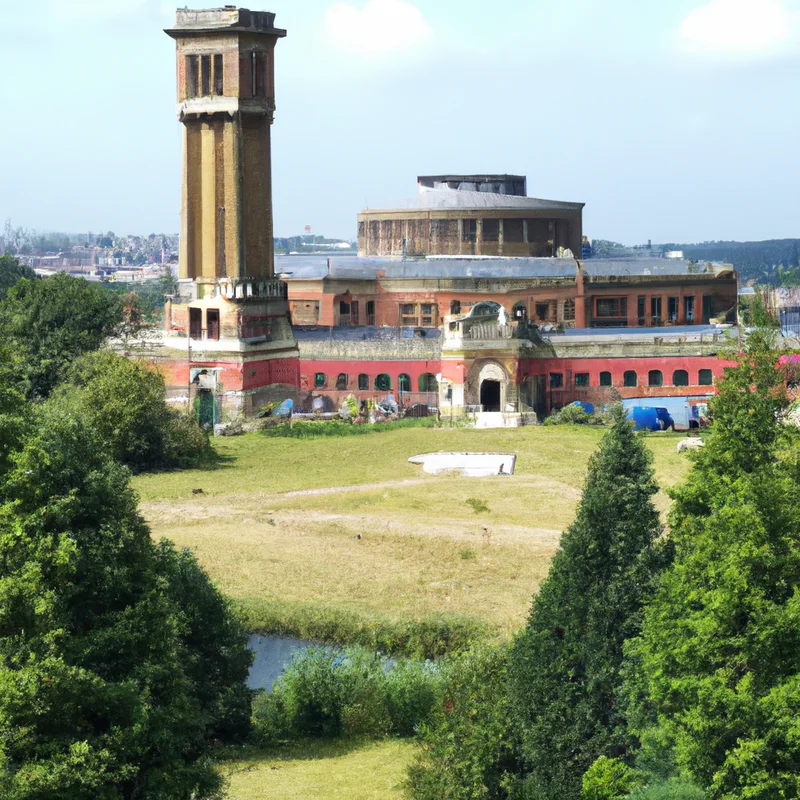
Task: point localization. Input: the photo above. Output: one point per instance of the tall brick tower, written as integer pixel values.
(231, 317)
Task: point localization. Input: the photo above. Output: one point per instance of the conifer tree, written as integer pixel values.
(564, 668)
(718, 661)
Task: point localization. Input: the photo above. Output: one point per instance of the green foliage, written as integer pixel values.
(305, 430)
(467, 750)
(716, 669)
(49, 323)
(119, 664)
(668, 789)
(564, 670)
(123, 400)
(432, 636)
(607, 779)
(11, 271)
(478, 505)
(573, 415)
(354, 692)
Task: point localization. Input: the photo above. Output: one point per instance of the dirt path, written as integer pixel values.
(361, 487)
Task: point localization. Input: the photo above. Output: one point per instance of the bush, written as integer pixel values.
(304, 430)
(123, 399)
(468, 748)
(669, 789)
(328, 693)
(575, 415)
(607, 779)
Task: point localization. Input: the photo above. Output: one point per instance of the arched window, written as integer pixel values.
(655, 378)
(363, 382)
(605, 378)
(319, 380)
(680, 377)
(341, 382)
(630, 378)
(403, 382)
(455, 306)
(428, 383)
(519, 311)
(383, 383)
(705, 377)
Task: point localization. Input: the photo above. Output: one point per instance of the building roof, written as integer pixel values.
(454, 267)
(353, 268)
(605, 267)
(458, 198)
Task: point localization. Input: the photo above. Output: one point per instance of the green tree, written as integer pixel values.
(718, 662)
(48, 323)
(564, 670)
(11, 271)
(468, 750)
(123, 400)
(119, 663)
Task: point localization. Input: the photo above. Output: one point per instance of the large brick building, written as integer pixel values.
(474, 298)
(472, 215)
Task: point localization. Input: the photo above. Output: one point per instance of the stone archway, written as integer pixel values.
(487, 385)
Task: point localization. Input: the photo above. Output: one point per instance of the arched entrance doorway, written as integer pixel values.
(490, 394)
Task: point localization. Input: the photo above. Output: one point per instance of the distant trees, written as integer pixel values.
(564, 669)
(10, 272)
(120, 663)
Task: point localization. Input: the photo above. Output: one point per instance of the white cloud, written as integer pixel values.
(739, 28)
(380, 27)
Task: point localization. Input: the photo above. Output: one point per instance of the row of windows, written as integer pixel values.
(381, 383)
(630, 379)
(204, 75)
(545, 311)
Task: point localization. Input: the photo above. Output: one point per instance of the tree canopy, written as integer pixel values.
(120, 663)
(718, 662)
(564, 669)
(48, 323)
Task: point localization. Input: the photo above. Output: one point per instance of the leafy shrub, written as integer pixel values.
(123, 399)
(669, 789)
(575, 415)
(468, 747)
(607, 779)
(327, 693)
(310, 429)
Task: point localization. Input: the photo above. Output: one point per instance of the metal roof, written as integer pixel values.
(606, 267)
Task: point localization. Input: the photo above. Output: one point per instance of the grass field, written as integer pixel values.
(322, 771)
(347, 526)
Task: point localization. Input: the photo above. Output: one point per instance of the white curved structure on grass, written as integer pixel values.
(476, 465)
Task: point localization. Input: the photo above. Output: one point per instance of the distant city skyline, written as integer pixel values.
(672, 122)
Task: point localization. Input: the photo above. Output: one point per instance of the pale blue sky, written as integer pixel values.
(675, 120)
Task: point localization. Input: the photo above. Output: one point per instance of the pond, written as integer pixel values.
(273, 654)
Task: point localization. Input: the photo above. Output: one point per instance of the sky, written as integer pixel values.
(673, 121)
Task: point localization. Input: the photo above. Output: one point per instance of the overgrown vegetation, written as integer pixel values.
(352, 692)
(314, 428)
(430, 637)
(574, 414)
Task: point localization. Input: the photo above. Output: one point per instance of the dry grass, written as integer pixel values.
(423, 547)
(322, 771)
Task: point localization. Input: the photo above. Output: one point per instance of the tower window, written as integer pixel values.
(218, 87)
(205, 75)
(191, 64)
